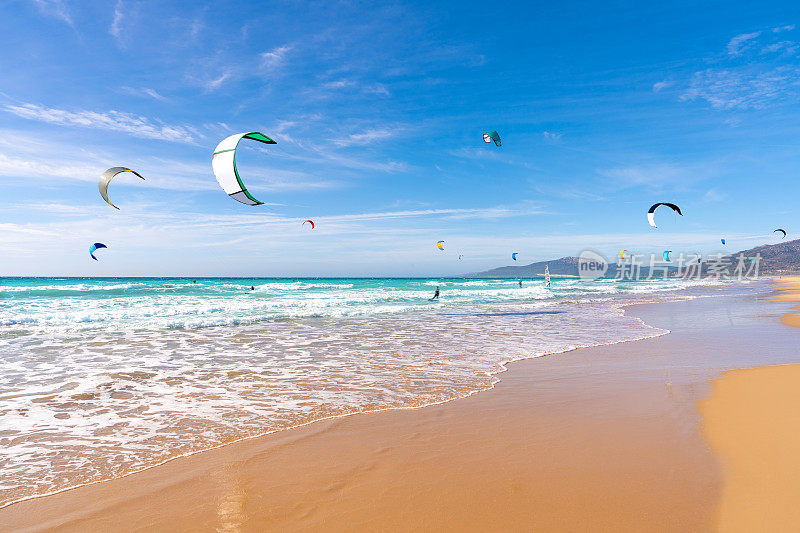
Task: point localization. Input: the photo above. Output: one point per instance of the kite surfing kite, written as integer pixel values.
(440, 245)
(224, 164)
(651, 213)
(779, 230)
(622, 254)
(722, 241)
(107, 176)
(310, 222)
(490, 136)
(514, 256)
(666, 255)
(460, 256)
(96, 246)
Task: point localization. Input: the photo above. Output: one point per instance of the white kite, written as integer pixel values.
(224, 163)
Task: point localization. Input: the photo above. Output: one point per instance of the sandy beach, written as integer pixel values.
(604, 438)
(752, 421)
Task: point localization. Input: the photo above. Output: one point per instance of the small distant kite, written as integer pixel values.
(722, 241)
(666, 255)
(514, 256)
(460, 256)
(440, 245)
(224, 164)
(310, 222)
(107, 176)
(622, 254)
(96, 246)
(779, 230)
(651, 213)
(492, 136)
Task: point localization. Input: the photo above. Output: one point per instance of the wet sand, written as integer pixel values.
(605, 438)
(752, 421)
(790, 293)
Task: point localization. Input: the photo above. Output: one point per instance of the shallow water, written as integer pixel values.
(104, 377)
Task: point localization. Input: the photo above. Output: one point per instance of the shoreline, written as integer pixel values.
(502, 368)
(751, 420)
(571, 441)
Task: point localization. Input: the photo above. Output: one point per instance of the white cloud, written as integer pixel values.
(110, 120)
(552, 136)
(195, 28)
(660, 85)
(54, 8)
(780, 29)
(23, 167)
(715, 195)
(216, 83)
(784, 47)
(154, 94)
(376, 88)
(739, 43)
(144, 91)
(116, 24)
(741, 89)
(365, 137)
(656, 175)
(8, 228)
(370, 88)
(274, 58)
(339, 84)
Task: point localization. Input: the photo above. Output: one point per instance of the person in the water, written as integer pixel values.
(252, 288)
(436, 294)
(520, 284)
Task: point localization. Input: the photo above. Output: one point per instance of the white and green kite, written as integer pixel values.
(224, 164)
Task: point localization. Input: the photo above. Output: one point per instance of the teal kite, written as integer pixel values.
(492, 136)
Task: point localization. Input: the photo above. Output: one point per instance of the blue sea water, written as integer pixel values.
(103, 377)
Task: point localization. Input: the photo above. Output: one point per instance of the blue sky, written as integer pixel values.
(378, 111)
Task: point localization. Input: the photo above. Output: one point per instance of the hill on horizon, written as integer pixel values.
(781, 258)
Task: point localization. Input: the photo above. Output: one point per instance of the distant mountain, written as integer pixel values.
(566, 266)
(782, 258)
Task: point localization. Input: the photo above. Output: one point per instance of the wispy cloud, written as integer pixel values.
(339, 84)
(110, 120)
(144, 92)
(56, 9)
(196, 27)
(22, 167)
(784, 47)
(216, 83)
(116, 24)
(762, 80)
(552, 136)
(661, 85)
(739, 43)
(376, 88)
(365, 137)
(660, 174)
(356, 87)
(714, 195)
(274, 58)
(740, 89)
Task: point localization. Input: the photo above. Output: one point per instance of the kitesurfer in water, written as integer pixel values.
(252, 288)
(520, 284)
(436, 294)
